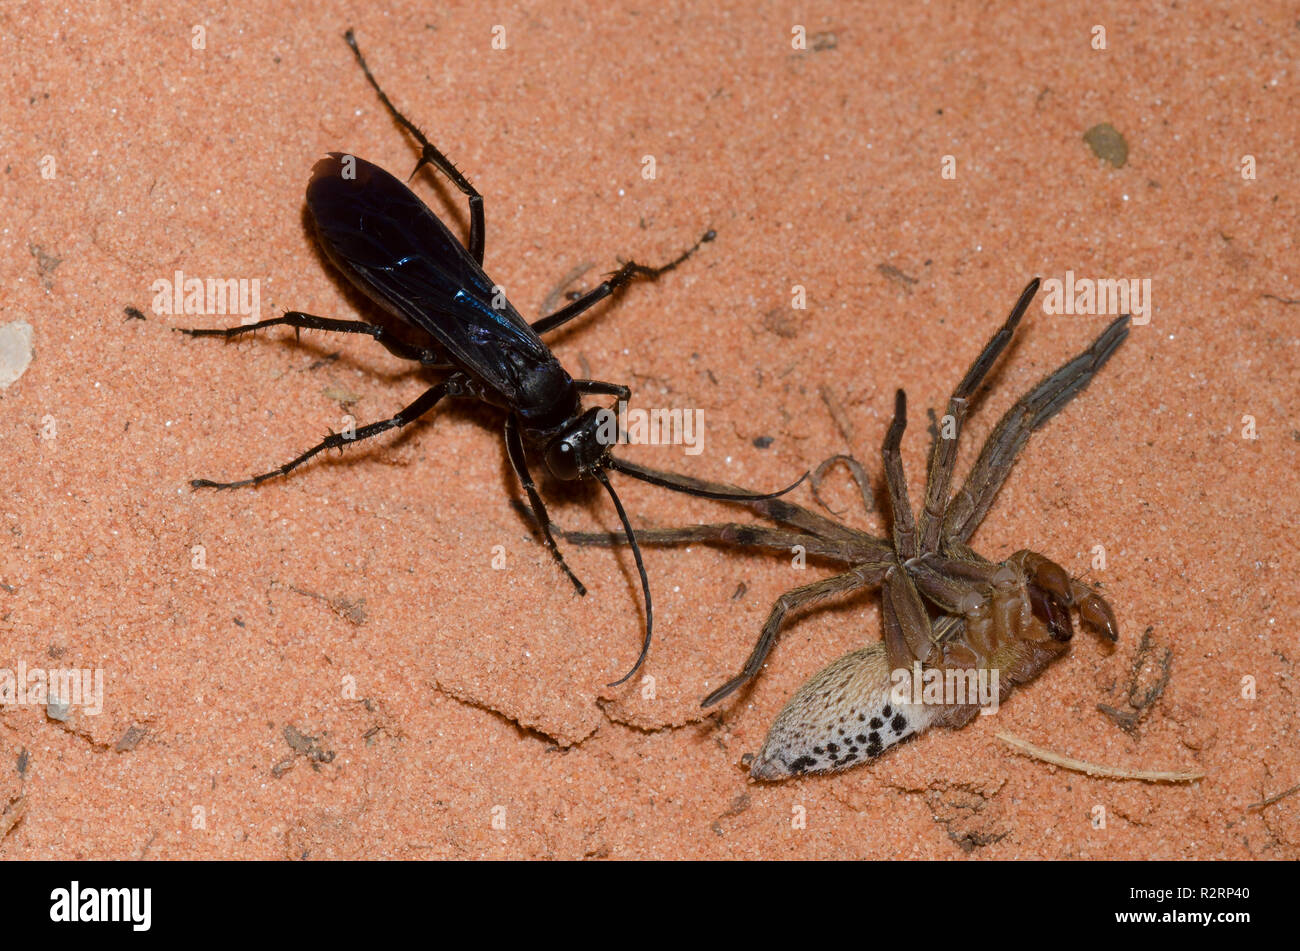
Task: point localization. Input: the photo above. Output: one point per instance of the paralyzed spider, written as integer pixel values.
(945, 607)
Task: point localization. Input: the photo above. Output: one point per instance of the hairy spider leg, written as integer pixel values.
(943, 454)
(971, 503)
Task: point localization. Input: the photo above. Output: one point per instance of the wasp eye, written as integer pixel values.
(562, 457)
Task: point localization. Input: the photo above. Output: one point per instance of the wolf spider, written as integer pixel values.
(945, 607)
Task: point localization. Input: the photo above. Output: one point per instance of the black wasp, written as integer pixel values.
(400, 255)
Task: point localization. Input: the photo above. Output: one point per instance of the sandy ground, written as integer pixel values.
(330, 666)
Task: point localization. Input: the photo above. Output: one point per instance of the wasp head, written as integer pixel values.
(582, 444)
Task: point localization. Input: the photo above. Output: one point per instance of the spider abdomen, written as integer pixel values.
(843, 715)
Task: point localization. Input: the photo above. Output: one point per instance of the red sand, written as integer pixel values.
(478, 692)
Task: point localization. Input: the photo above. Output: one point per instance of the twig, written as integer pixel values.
(838, 415)
(859, 476)
(1274, 798)
(1092, 769)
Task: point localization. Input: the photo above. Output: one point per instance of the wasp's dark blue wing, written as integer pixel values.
(388, 243)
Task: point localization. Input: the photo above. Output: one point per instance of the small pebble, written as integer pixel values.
(16, 351)
(1107, 144)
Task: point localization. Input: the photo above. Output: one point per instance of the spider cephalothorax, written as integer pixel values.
(945, 608)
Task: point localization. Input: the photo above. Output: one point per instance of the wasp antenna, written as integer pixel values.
(640, 567)
(690, 486)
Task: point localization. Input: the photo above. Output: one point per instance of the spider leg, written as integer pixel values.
(789, 513)
(778, 510)
(960, 551)
(908, 635)
(726, 533)
(969, 506)
(946, 589)
(863, 576)
(943, 454)
(903, 525)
